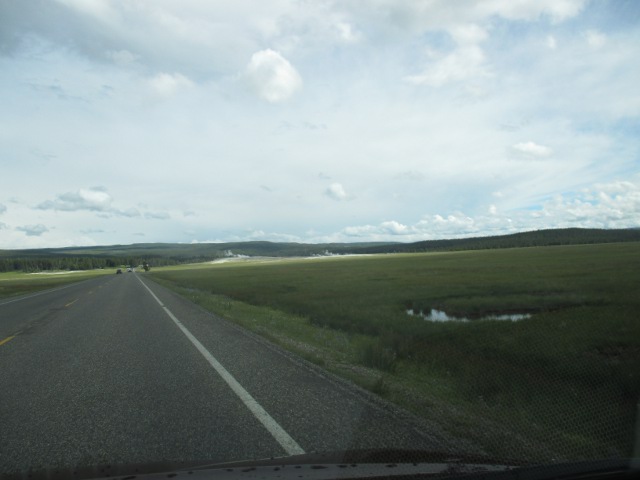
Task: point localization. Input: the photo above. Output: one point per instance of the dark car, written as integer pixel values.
(119, 270)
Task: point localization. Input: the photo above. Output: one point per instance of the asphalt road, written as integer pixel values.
(120, 370)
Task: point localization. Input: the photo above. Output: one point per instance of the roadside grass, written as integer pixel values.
(562, 384)
(18, 283)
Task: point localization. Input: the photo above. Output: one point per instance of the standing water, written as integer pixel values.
(441, 316)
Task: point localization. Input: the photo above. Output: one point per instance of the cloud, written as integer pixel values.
(99, 9)
(346, 32)
(531, 151)
(157, 215)
(272, 76)
(435, 226)
(387, 228)
(3, 208)
(470, 34)
(130, 212)
(93, 199)
(610, 205)
(467, 61)
(33, 230)
(406, 152)
(558, 10)
(411, 175)
(464, 63)
(165, 84)
(336, 192)
(56, 90)
(122, 57)
(595, 39)
(402, 18)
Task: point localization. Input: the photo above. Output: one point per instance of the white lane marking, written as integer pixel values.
(280, 435)
(39, 293)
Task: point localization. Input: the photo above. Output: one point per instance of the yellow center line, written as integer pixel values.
(2, 342)
(71, 303)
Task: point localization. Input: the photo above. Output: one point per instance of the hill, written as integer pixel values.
(537, 238)
(159, 254)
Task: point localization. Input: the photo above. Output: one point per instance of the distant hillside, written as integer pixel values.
(159, 254)
(537, 238)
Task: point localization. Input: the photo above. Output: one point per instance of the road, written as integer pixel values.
(120, 370)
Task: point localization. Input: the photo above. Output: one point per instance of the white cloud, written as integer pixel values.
(165, 84)
(131, 212)
(3, 208)
(33, 230)
(96, 69)
(405, 18)
(595, 39)
(464, 63)
(457, 222)
(410, 175)
(157, 215)
(395, 228)
(93, 199)
(611, 205)
(558, 10)
(99, 9)
(122, 57)
(96, 200)
(336, 191)
(389, 229)
(531, 150)
(434, 226)
(346, 32)
(469, 34)
(272, 76)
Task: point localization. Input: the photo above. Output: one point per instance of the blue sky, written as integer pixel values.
(194, 121)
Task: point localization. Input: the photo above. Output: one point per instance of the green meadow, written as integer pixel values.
(19, 283)
(561, 384)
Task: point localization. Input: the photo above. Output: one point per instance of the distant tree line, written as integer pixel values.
(57, 263)
(538, 238)
(157, 255)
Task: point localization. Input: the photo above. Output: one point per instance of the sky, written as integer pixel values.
(136, 121)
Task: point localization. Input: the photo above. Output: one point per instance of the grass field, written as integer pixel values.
(18, 283)
(562, 384)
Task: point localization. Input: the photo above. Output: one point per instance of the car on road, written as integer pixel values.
(119, 270)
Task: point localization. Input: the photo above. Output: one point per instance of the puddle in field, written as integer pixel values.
(440, 316)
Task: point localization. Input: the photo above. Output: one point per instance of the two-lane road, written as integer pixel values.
(120, 370)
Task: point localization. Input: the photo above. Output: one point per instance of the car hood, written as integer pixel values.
(343, 465)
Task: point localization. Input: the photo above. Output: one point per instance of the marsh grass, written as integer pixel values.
(14, 283)
(562, 384)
